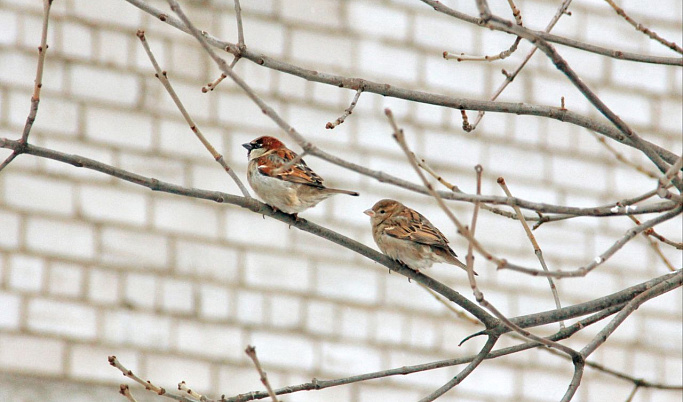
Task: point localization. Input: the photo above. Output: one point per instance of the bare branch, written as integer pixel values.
(641, 28)
(331, 125)
(616, 54)
(402, 93)
(162, 76)
(251, 352)
(534, 243)
(465, 372)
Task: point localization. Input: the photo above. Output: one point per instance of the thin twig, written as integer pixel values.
(125, 391)
(653, 244)
(464, 372)
(332, 124)
(621, 158)
(509, 77)
(500, 56)
(559, 62)
(400, 138)
(38, 84)
(661, 288)
(147, 384)
(251, 352)
(403, 93)
(240, 30)
(635, 389)
(182, 386)
(162, 76)
(642, 28)
(534, 244)
(617, 54)
(584, 270)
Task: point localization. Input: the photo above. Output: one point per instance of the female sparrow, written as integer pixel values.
(290, 190)
(408, 237)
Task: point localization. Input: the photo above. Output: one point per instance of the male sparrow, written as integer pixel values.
(290, 190)
(408, 237)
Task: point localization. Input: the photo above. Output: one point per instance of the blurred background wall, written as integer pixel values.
(92, 266)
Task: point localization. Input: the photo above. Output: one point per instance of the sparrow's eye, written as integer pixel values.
(381, 211)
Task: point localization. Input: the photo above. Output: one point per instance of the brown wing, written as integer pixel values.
(269, 163)
(411, 225)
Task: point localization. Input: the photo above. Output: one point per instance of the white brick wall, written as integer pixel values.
(91, 266)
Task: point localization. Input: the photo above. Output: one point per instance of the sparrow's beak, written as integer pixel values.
(369, 212)
(248, 146)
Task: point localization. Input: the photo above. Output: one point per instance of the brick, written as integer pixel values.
(97, 153)
(10, 312)
(63, 113)
(177, 296)
(250, 307)
(163, 169)
(103, 286)
(345, 359)
(272, 37)
(400, 292)
(215, 302)
(671, 115)
(72, 320)
(119, 128)
(8, 20)
(113, 204)
(325, 12)
(31, 354)
(141, 290)
(179, 54)
(26, 273)
(321, 317)
(312, 47)
(140, 329)
(462, 78)
(28, 192)
(370, 393)
(249, 113)
(278, 272)
(249, 228)
(355, 323)
(283, 351)
(285, 311)
(245, 379)
(9, 235)
(168, 371)
(119, 14)
(117, 49)
(578, 174)
(209, 340)
(133, 248)
(380, 61)
(389, 327)
(360, 284)
(185, 216)
(377, 21)
(76, 41)
(91, 83)
(177, 139)
(65, 279)
(88, 362)
(464, 151)
(210, 261)
(423, 333)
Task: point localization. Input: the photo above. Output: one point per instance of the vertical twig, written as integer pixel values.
(161, 75)
(331, 125)
(534, 243)
(642, 28)
(38, 84)
(510, 77)
(251, 352)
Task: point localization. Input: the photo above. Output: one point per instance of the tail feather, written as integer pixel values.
(340, 191)
(451, 258)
